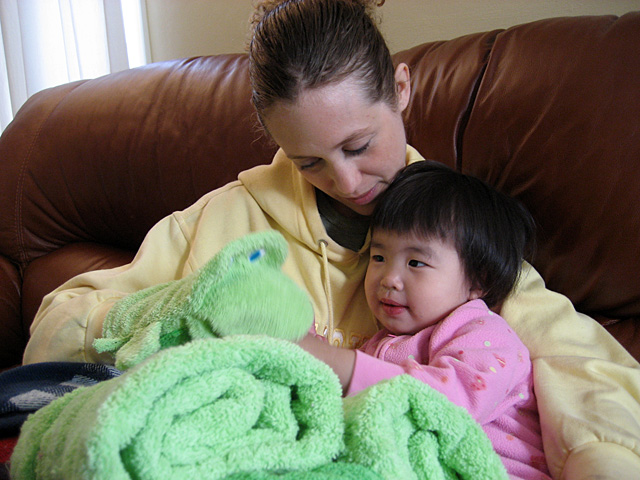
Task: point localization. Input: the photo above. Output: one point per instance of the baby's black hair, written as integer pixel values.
(491, 231)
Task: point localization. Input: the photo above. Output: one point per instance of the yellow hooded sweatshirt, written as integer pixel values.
(586, 384)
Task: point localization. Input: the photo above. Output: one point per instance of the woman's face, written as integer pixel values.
(343, 144)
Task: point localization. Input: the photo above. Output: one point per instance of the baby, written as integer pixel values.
(446, 247)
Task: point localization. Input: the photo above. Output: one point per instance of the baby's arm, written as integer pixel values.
(473, 357)
(341, 360)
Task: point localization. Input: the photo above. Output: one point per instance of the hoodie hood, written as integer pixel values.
(289, 199)
(284, 194)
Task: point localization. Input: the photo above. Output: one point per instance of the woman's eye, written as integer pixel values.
(417, 263)
(309, 164)
(357, 151)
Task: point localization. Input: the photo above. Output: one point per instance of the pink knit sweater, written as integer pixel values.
(479, 363)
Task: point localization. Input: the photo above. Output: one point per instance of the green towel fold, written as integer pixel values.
(208, 409)
(330, 471)
(241, 290)
(254, 408)
(403, 429)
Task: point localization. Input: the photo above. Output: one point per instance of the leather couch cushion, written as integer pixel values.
(561, 131)
(103, 160)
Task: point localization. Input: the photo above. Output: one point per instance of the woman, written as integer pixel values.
(327, 93)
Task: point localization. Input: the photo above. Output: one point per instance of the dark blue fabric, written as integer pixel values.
(25, 389)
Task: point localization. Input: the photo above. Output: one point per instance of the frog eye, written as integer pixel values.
(256, 255)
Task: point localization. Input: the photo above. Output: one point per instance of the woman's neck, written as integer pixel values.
(346, 227)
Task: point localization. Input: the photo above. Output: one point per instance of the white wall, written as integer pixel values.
(185, 28)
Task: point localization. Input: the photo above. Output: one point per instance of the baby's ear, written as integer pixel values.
(475, 293)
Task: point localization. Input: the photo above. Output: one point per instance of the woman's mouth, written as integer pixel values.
(365, 199)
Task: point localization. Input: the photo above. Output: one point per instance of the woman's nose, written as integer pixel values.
(346, 178)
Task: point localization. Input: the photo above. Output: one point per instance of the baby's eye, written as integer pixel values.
(417, 263)
(377, 258)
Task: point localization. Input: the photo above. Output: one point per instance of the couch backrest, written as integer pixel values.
(547, 112)
(103, 160)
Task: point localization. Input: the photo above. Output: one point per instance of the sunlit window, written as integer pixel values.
(51, 42)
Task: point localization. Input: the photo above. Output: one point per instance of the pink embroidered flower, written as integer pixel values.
(478, 384)
(500, 360)
(412, 364)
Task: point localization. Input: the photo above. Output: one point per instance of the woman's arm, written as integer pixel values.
(586, 384)
(71, 317)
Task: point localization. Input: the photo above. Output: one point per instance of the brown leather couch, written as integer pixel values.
(547, 111)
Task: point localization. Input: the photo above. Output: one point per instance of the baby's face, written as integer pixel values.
(413, 282)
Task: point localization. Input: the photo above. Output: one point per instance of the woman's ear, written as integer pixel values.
(403, 85)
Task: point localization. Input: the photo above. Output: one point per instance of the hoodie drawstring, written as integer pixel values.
(327, 289)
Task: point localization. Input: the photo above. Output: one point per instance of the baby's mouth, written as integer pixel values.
(391, 307)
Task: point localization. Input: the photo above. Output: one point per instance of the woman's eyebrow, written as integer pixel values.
(354, 136)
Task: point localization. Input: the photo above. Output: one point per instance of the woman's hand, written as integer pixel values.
(341, 360)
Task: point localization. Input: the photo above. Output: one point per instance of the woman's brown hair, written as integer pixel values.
(301, 44)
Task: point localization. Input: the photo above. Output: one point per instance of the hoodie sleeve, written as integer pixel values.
(587, 385)
(72, 316)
